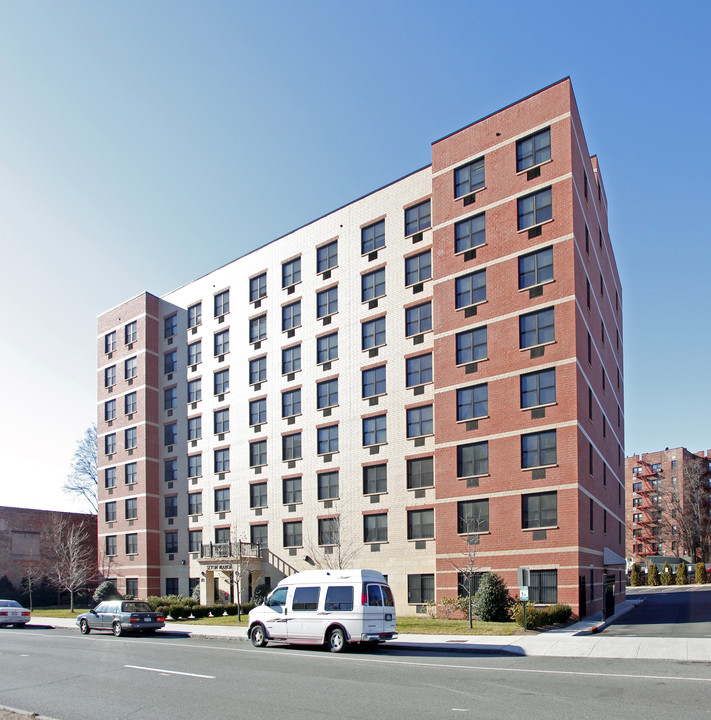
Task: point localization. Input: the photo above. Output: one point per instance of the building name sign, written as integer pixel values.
(226, 566)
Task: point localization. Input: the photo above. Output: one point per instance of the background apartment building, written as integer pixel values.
(434, 367)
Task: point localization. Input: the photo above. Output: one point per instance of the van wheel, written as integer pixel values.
(257, 636)
(336, 640)
(84, 627)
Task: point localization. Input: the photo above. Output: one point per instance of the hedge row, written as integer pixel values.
(179, 611)
(540, 616)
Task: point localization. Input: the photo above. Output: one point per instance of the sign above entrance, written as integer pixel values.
(218, 567)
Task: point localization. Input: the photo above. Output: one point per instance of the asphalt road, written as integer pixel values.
(64, 675)
(673, 611)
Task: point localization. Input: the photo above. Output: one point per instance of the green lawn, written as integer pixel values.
(58, 612)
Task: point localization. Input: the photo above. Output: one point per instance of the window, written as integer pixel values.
(170, 434)
(418, 268)
(110, 376)
(291, 447)
(375, 528)
(418, 319)
(537, 328)
(472, 516)
(222, 303)
(170, 400)
(533, 150)
(419, 370)
(195, 503)
(171, 546)
(420, 473)
(291, 403)
(195, 465)
(327, 302)
(471, 346)
(291, 488)
(468, 178)
(194, 315)
(539, 510)
(372, 285)
(258, 453)
(258, 329)
(170, 326)
(420, 421)
(131, 508)
(170, 363)
(535, 209)
(473, 402)
(258, 495)
(470, 289)
(258, 370)
(372, 237)
(375, 479)
(418, 218)
(222, 500)
(171, 506)
(130, 438)
(131, 332)
(194, 541)
(131, 544)
(291, 316)
(538, 449)
(292, 534)
(327, 393)
(195, 353)
(258, 287)
(110, 511)
(291, 272)
(222, 382)
(258, 535)
(473, 460)
(329, 532)
(222, 343)
(222, 536)
(110, 342)
(110, 410)
(130, 367)
(327, 257)
(637, 487)
(470, 233)
(110, 477)
(130, 473)
(375, 430)
(291, 359)
(111, 545)
(538, 388)
(327, 439)
(195, 428)
(535, 268)
(195, 390)
(420, 589)
(373, 333)
(222, 460)
(543, 586)
(374, 381)
(327, 348)
(110, 443)
(222, 421)
(258, 411)
(327, 485)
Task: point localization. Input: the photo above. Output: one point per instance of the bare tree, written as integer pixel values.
(332, 551)
(34, 571)
(472, 524)
(243, 560)
(83, 477)
(72, 561)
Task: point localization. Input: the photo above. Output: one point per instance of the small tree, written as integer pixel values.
(82, 480)
(636, 575)
(34, 572)
(666, 576)
(653, 576)
(700, 574)
(106, 591)
(682, 576)
(492, 602)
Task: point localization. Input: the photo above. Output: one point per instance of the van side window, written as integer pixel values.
(305, 598)
(339, 598)
(388, 600)
(374, 597)
(278, 597)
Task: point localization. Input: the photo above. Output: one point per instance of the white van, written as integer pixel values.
(335, 607)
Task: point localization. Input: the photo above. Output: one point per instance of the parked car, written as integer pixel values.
(120, 616)
(335, 607)
(12, 613)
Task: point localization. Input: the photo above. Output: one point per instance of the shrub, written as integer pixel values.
(533, 615)
(200, 611)
(463, 605)
(260, 592)
(106, 591)
(666, 577)
(447, 607)
(232, 608)
(176, 611)
(700, 573)
(217, 610)
(636, 576)
(162, 609)
(682, 576)
(559, 613)
(154, 601)
(190, 602)
(246, 607)
(653, 575)
(492, 601)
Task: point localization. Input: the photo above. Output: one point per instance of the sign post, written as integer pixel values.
(523, 597)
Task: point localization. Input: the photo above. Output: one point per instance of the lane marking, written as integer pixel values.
(170, 672)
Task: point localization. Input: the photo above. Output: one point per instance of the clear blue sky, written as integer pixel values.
(143, 144)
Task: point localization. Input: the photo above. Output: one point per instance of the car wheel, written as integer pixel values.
(84, 627)
(118, 630)
(336, 640)
(258, 637)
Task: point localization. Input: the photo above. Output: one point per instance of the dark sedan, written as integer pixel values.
(120, 616)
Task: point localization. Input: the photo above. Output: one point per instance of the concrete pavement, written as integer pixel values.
(583, 639)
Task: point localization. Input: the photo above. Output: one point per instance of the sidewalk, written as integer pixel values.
(579, 640)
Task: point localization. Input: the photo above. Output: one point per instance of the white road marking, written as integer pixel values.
(169, 672)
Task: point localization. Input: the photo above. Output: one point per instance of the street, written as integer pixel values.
(64, 675)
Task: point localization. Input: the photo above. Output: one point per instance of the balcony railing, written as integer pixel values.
(238, 549)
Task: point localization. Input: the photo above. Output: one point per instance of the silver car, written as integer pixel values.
(120, 616)
(12, 613)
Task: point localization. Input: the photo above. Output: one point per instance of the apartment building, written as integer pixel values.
(434, 367)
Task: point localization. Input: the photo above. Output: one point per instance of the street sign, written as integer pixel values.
(523, 593)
